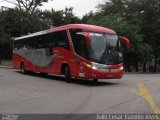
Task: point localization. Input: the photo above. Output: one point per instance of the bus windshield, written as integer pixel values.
(105, 48)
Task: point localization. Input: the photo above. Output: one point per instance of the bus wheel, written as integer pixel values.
(43, 74)
(67, 74)
(23, 68)
(95, 80)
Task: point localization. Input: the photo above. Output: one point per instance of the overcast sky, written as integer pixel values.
(81, 7)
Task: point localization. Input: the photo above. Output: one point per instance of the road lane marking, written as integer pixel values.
(144, 92)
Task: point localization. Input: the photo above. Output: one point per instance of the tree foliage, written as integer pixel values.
(60, 17)
(131, 18)
(123, 28)
(30, 6)
(17, 23)
(145, 13)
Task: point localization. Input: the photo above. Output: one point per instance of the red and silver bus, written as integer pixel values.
(75, 51)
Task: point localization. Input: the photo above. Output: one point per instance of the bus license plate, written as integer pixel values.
(109, 75)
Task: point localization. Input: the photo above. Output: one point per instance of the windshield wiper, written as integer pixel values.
(110, 54)
(114, 56)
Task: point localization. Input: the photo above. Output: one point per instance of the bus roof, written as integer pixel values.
(86, 27)
(91, 28)
(32, 35)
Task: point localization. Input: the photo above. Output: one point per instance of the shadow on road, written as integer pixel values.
(73, 81)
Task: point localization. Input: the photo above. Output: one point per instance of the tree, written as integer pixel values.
(60, 17)
(30, 6)
(53, 18)
(115, 22)
(112, 7)
(15, 23)
(5, 39)
(145, 51)
(69, 16)
(145, 13)
(87, 16)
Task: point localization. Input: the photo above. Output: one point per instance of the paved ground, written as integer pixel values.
(134, 93)
(5, 63)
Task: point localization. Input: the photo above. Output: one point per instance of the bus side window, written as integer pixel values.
(21, 44)
(57, 39)
(62, 39)
(50, 40)
(35, 43)
(44, 37)
(15, 45)
(40, 42)
(30, 42)
(79, 43)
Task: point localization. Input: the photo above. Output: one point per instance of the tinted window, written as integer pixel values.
(79, 43)
(17, 45)
(58, 39)
(41, 41)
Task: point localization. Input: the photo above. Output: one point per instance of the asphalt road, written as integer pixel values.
(36, 94)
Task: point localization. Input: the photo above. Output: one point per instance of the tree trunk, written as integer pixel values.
(137, 70)
(155, 63)
(144, 66)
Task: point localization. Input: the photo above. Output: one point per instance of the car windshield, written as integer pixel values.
(105, 48)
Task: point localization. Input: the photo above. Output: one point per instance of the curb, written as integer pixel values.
(141, 73)
(133, 73)
(7, 67)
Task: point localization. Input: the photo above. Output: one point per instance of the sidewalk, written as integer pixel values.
(6, 64)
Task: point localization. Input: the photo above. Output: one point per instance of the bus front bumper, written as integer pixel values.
(104, 74)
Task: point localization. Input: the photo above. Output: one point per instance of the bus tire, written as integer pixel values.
(22, 68)
(43, 74)
(95, 80)
(67, 74)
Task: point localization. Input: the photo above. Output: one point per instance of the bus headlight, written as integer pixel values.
(88, 65)
(94, 67)
(121, 68)
(91, 66)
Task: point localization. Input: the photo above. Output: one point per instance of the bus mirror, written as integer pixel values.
(127, 43)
